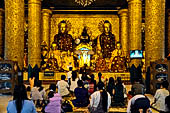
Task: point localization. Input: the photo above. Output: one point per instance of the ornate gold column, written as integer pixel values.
(154, 30)
(1, 31)
(34, 22)
(14, 31)
(46, 13)
(168, 31)
(123, 14)
(135, 23)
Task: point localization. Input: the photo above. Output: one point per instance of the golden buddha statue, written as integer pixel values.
(52, 62)
(118, 63)
(56, 53)
(44, 55)
(68, 61)
(100, 63)
(64, 40)
(106, 41)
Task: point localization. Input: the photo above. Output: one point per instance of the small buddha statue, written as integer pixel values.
(56, 53)
(68, 61)
(52, 62)
(85, 38)
(115, 53)
(118, 63)
(100, 63)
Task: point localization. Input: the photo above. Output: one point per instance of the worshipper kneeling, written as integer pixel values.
(100, 100)
(54, 105)
(63, 87)
(160, 96)
(20, 102)
(139, 104)
(38, 94)
(119, 93)
(81, 95)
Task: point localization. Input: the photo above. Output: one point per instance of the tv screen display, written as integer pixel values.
(136, 54)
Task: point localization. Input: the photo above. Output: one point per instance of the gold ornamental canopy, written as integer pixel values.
(84, 3)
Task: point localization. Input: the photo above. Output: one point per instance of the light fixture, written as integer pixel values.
(84, 3)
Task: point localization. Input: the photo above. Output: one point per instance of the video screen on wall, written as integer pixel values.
(136, 54)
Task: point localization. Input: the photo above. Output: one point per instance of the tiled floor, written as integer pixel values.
(4, 102)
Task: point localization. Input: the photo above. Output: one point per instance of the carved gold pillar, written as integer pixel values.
(34, 22)
(123, 14)
(14, 31)
(46, 13)
(168, 31)
(1, 31)
(154, 30)
(135, 23)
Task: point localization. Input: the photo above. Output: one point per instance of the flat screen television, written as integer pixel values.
(136, 54)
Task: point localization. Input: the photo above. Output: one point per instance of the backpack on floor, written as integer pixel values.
(66, 106)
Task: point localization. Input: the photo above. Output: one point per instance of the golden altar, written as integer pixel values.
(57, 76)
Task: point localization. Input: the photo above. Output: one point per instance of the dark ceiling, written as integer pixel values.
(70, 4)
(96, 5)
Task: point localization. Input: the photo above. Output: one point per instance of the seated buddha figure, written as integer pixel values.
(85, 38)
(56, 53)
(52, 63)
(118, 63)
(100, 63)
(64, 40)
(68, 61)
(115, 53)
(44, 62)
(44, 55)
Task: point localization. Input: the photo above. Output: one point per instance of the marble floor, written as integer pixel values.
(5, 98)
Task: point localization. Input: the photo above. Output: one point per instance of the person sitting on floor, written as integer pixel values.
(100, 100)
(20, 102)
(92, 85)
(139, 104)
(81, 95)
(63, 86)
(85, 82)
(119, 93)
(54, 105)
(37, 93)
(137, 88)
(111, 87)
(52, 90)
(167, 104)
(160, 96)
(73, 81)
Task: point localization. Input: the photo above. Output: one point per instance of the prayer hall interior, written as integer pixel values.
(45, 39)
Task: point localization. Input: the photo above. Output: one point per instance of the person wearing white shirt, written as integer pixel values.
(132, 101)
(100, 100)
(160, 96)
(63, 86)
(73, 81)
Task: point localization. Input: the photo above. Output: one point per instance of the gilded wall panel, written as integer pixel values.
(168, 31)
(14, 31)
(155, 30)
(1, 31)
(78, 21)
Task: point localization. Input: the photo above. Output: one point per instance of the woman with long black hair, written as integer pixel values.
(20, 102)
(100, 100)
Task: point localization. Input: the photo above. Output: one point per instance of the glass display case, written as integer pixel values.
(160, 70)
(7, 76)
